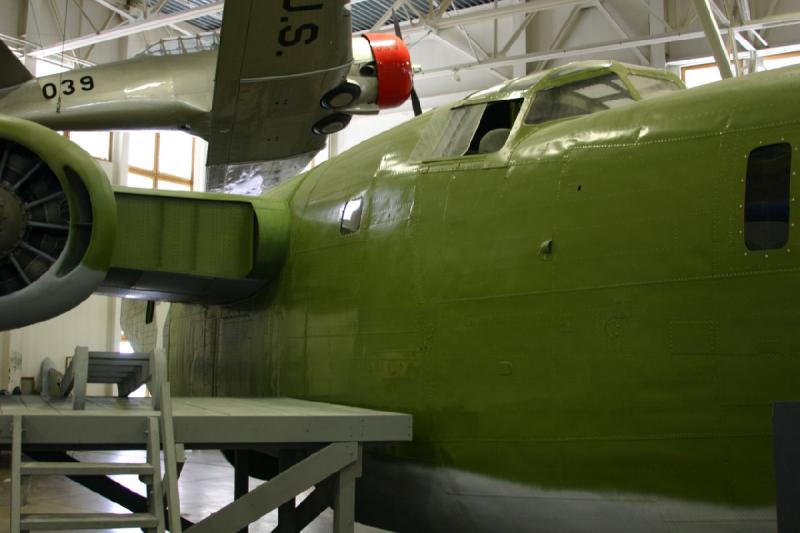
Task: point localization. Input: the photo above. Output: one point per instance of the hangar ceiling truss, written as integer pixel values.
(452, 23)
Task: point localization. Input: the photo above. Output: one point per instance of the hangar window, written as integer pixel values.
(766, 201)
(579, 98)
(351, 216)
(96, 143)
(162, 160)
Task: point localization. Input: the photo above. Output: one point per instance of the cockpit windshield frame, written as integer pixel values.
(440, 140)
(582, 71)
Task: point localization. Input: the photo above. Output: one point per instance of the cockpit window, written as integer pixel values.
(468, 130)
(448, 133)
(651, 87)
(495, 127)
(579, 98)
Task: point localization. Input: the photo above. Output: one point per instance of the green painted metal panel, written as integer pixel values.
(640, 357)
(184, 235)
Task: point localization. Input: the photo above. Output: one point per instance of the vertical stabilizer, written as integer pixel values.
(12, 71)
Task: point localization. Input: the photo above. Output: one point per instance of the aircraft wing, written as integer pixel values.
(288, 73)
(276, 60)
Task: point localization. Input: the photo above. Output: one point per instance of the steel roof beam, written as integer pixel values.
(386, 16)
(657, 14)
(475, 15)
(788, 19)
(618, 24)
(563, 34)
(723, 19)
(445, 40)
(130, 29)
(520, 9)
(744, 9)
(714, 36)
(517, 33)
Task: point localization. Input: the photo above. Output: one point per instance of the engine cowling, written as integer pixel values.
(394, 71)
(57, 223)
(381, 76)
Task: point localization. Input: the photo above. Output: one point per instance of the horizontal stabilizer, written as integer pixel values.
(12, 71)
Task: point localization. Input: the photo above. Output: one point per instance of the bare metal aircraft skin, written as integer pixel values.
(282, 79)
(580, 283)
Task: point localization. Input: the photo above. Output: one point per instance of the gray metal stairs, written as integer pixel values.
(158, 428)
(127, 371)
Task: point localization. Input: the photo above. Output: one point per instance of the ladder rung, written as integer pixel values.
(72, 521)
(85, 469)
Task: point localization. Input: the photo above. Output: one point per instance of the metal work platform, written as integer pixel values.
(323, 442)
(199, 422)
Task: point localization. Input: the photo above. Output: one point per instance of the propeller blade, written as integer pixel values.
(415, 102)
(396, 24)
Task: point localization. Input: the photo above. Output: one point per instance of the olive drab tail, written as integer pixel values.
(12, 72)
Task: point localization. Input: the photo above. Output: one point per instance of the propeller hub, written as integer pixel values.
(12, 220)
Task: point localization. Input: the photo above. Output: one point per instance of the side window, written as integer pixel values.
(494, 127)
(351, 216)
(578, 98)
(766, 197)
(467, 130)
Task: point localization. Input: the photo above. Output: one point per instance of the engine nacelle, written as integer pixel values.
(57, 223)
(381, 76)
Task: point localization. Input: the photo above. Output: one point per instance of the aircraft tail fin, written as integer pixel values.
(12, 71)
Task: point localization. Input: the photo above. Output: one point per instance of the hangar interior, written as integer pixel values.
(457, 46)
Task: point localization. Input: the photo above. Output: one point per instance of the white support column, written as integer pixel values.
(119, 158)
(14, 366)
(658, 52)
(518, 41)
(113, 332)
(80, 376)
(5, 358)
(714, 37)
(16, 479)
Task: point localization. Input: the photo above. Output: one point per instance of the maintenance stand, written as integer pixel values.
(317, 445)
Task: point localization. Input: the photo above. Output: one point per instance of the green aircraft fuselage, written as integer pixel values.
(575, 321)
(580, 284)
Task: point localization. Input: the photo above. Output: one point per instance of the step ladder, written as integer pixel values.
(159, 430)
(127, 371)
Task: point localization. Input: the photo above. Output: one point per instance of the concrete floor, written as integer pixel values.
(206, 484)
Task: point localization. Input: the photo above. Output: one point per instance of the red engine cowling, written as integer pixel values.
(394, 71)
(380, 77)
